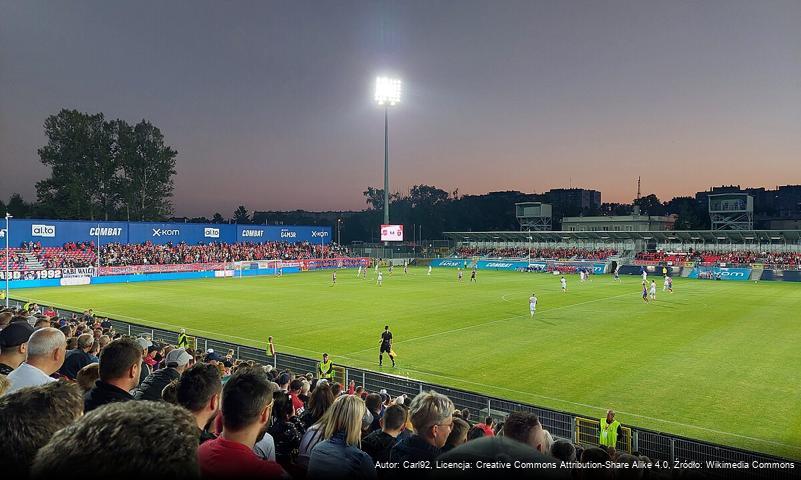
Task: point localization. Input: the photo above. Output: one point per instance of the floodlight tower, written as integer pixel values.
(387, 94)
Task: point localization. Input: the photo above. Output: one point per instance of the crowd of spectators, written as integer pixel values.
(555, 253)
(73, 399)
(75, 255)
(740, 257)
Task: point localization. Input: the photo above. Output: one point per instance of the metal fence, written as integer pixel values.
(657, 446)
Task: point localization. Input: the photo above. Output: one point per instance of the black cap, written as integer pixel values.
(15, 333)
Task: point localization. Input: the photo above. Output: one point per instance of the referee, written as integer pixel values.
(386, 346)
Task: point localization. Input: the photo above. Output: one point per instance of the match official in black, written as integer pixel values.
(386, 346)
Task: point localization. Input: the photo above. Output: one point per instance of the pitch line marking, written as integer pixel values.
(556, 399)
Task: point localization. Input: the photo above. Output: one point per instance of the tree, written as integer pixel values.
(148, 166)
(217, 218)
(241, 215)
(691, 215)
(73, 153)
(650, 205)
(17, 207)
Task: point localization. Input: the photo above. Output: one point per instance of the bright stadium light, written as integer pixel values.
(387, 91)
(387, 94)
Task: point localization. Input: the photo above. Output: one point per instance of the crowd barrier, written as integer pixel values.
(658, 446)
(55, 233)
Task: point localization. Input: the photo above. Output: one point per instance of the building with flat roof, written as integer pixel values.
(618, 223)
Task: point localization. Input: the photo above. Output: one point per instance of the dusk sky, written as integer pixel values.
(270, 104)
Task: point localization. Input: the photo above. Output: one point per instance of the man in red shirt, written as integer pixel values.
(487, 427)
(247, 401)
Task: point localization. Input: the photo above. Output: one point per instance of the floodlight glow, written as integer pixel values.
(387, 90)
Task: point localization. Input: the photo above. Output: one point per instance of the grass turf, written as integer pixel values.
(716, 360)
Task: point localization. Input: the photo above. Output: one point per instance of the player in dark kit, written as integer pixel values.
(386, 346)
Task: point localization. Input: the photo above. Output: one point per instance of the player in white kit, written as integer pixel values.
(653, 290)
(532, 304)
(644, 276)
(665, 284)
(429, 270)
(380, 280)
(359, 273)
(564, 285)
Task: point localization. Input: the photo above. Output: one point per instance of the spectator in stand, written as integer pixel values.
(313, 420)
(295, 387)
(379, 443)
(247, 400)
(285, 430)
(458, 435)
(431, 414)
(28, 419)
(151, 388)
(46, 350)
(41, 322)
(14, 346)
(144, 369)
(87, 376)
(476, 432)
(78, 358)
(199, 391)
(525, 427)
(373, 404)
(487, 426)
(563, 450)
(131, 440)
(119, 368)
(339, 456)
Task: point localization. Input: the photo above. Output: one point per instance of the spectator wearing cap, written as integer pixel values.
(144, 369)
(120, 362)
(14, 346)
(199, 391)
(339, 455)
(78, 358)
(247, 400)
(151, 388)
(379, 443)
(431, 414)
(29, 417)
(132, 440)
(46, 350)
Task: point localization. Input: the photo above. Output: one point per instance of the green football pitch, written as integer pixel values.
(717, 361)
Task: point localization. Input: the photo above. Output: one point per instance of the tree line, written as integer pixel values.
(110, 170)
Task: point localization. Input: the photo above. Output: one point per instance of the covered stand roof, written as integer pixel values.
(688, 236)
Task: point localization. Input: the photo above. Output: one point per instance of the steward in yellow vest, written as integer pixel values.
(326, 368)
(610, 428)
(183, 340)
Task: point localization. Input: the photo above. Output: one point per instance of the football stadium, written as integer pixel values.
(394, 240)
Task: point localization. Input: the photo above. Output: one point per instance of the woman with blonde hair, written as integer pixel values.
(339, 456)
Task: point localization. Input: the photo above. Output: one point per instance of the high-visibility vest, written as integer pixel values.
(326, 369)
(183, 341)
(608, 433)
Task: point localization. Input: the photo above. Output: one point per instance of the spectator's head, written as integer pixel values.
(562, 449)
(104, 340)
(432, 417)
(14, 343)
(345, 418)
(295, 386)
(5, 319)
(41, 322)
(46, 349)
(595, 454)
(178, 359)
(88, 375)
(282, 406)
(247, 401)
(86, 341)
(199, 392)
(525, 427)
(489, 421)
(373, 403)
(336, 389)
(320, 401)
(458, 434)
(170, 392)
(394, 419)
(121, 363)
(30, 416)
(283, 380)
(154, 440)
(610, 416)
(466, 414)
